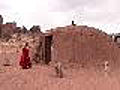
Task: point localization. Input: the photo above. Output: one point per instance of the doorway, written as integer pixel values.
(47, 48)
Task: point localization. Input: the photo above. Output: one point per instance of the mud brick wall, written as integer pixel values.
(84, 45)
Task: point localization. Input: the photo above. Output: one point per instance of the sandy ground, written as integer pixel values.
(42, 77)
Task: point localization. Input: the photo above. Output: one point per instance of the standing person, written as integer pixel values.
(106, 66)
(58, 69)
(25, 62)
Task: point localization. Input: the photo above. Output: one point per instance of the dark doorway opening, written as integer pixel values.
(116, 38)
(47, 48)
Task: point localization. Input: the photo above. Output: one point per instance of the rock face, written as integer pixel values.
(84, 45)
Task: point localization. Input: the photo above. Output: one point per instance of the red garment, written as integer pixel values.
(25, 59)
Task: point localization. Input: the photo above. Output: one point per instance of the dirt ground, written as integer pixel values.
(42, 77)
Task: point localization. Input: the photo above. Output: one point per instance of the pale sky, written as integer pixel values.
(103, 14)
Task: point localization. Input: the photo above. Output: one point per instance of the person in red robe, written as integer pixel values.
(25, 62)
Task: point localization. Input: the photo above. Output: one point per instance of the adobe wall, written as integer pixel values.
(84, 45)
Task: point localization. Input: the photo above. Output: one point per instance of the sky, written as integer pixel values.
(102, 14)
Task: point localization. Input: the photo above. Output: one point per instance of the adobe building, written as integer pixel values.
(116, 38)
(8, 29)
(81, 45)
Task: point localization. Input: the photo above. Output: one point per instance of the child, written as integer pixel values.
(58, 69)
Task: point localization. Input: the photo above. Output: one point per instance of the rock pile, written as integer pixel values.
(12, 48)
